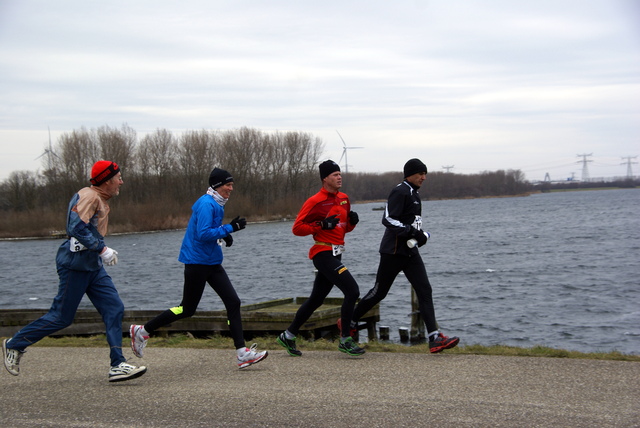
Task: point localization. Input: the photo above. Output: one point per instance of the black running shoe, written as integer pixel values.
(442, 342)
(350, 347)
(289, 345)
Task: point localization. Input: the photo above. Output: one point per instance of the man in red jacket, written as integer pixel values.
(327, 216)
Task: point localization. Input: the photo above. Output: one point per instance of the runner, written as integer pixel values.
(399, 253)
(327, 216)
(80, 262)
(201, 254)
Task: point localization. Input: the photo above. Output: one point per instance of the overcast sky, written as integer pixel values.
(477, 85)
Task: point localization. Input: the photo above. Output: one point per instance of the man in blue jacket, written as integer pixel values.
(201, 254)
(80, 262)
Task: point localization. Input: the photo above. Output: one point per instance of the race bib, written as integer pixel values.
(417, 222)
(75, 245)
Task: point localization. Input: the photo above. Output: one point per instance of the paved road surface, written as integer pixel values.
(67, 387)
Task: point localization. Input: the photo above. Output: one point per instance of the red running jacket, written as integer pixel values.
(318, 207)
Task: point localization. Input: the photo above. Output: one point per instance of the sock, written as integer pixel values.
(344, 339)
(288, 335)
(144, 331)
(241, 351)
(433, 335)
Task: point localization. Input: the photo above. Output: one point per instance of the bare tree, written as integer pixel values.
(196, 158)
(156, 154)
(20, 190)
(78, 153)
(303, 153)
(240, 153)
(117, 145)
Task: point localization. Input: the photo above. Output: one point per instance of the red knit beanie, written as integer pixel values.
(102, 171)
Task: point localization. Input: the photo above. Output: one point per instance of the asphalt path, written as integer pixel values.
(68, 387)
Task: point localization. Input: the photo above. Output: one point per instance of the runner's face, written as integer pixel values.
(112, 185)
(333, 181)
(225, 190)
(417, 179)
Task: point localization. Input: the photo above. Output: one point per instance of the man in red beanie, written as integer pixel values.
(80, 263)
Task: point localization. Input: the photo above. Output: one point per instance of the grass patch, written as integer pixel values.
(269, 343)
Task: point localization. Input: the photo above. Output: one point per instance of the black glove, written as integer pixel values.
(228, 240)
(419, 236)
(330, 222)
(353, 217)
(238, 223)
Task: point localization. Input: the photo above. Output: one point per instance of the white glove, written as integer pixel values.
(109, 256)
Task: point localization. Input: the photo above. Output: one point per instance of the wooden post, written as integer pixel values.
(371, 330)
(404, 334)
(417, 323)
(384, 332)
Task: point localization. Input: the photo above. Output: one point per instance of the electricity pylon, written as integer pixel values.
(628, 163)
(585, 170)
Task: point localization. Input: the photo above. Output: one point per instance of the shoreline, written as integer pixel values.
(59, 234)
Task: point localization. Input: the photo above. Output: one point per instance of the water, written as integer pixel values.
(555, 269)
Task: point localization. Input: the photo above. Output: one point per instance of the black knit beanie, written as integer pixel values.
(414, 166)
(328, 167)
(218, 177)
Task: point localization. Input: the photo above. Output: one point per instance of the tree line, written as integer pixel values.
(164, 174)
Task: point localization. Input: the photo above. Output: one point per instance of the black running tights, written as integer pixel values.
(195, 278)
(388, 269)
(331, 272)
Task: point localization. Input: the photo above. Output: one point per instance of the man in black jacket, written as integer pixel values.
(399, 253)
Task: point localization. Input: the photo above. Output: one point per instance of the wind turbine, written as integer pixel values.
(49, 152)
(344, 153)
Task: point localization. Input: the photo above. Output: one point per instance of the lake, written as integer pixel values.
(552, 269)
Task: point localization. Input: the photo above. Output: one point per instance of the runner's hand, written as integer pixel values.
(109, 256)
(353, 218)
(228, 240)
(419, 236)
(330, 222)
(238, 223)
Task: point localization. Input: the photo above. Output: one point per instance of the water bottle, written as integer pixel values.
(413, 242)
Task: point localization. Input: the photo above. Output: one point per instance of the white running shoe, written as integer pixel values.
(138, 341)
(251, 356)
(11, 358)
(125, 371)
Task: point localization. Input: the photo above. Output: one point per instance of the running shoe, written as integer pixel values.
(251, 356)
(352, 332)
(442, 342)
(11, 358)
(125, 371)
(138, 341)
(289, 345)
(350, 347)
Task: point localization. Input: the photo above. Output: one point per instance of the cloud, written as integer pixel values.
(480, 85)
